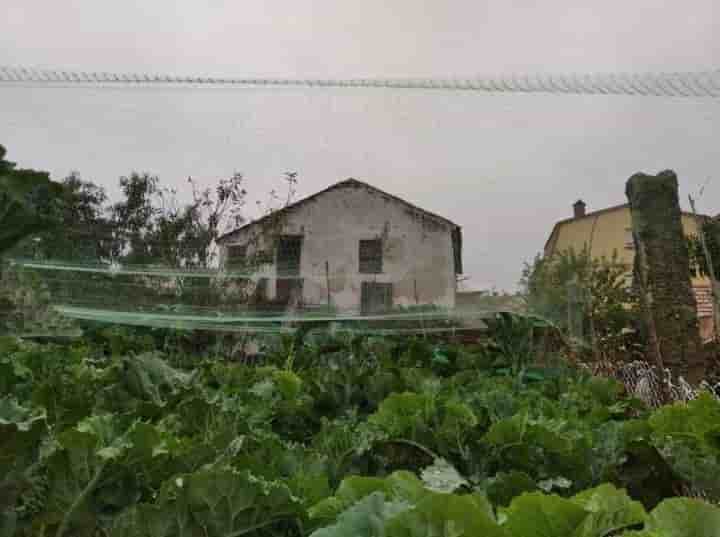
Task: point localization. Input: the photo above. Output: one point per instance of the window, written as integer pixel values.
(371, 256)
(629, 241)
(288, 255)
(236, 255)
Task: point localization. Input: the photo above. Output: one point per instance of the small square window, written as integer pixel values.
(371, 256)
(236, 255)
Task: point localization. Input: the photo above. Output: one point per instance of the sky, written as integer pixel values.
(505, 167)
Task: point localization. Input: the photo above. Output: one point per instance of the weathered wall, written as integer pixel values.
(662, 268)
(611, 234)
(418, 252)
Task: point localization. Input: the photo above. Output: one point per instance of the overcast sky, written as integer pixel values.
(505, 167)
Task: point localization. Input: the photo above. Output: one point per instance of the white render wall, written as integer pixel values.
(417, 249)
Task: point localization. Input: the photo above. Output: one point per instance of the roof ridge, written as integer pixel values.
(344, 182)
(602, 211)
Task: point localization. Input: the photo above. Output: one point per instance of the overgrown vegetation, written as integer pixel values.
(339, 436)
(589, 298)
(150, 228)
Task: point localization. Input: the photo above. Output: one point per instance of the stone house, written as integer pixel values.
(351, 247)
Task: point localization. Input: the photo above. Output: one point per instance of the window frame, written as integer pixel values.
(373, 265)
(289, 270)
(236, 260)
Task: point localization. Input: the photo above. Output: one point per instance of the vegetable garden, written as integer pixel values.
(337, 436)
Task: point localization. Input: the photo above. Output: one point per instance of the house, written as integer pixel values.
(610, 230)
(351, 247)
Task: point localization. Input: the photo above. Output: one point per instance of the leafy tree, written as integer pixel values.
(574, 284)
(150, 225)
(698, 261)
(28, 202)
(84, 230)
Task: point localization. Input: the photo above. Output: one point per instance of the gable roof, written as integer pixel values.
(560, 223)
(342, 184)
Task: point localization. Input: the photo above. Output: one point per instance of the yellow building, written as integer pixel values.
(610, 230)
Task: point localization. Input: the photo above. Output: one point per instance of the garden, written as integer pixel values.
(337, 435)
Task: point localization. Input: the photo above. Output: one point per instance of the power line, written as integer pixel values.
(687, 84)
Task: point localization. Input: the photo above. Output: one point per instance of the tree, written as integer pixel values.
(698, 261)
(662, 270)
(582, 295)
(29, 203)
(150, 225)
(84, 231)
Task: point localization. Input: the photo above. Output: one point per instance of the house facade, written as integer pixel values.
(609, 230)
(351, 247)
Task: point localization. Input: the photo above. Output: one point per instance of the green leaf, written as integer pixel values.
(288, 383)
(505, 486)
(686, 437)
(399, 485)
(367, 518)
(558, 482)
(21, 430)
(684, 517)
(538, 515)
(150, 378)
(8, 523)
(610, 510)
(214, 502)
(110, 441)
(442, 476)
(402, 413)
(507, 432)
(149, 521)
(446, 514)
(13, 415)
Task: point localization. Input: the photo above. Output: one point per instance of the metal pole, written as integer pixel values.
(327, 281)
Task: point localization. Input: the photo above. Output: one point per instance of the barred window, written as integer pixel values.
(371, 256)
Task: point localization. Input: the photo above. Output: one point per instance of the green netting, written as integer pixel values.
(189, 299)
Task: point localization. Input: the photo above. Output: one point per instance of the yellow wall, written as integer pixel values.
(610, 233)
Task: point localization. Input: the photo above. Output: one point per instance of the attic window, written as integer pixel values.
(371, 256)
(236, 255)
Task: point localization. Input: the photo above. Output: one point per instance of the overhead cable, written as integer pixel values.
(687, 84)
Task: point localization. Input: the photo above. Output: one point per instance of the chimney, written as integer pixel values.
(579, 208)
